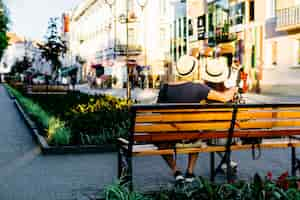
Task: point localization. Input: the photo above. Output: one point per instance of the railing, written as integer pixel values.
(288, 18)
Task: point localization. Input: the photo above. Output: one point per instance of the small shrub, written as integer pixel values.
(285, 188)
(58, 133)
(121, 192)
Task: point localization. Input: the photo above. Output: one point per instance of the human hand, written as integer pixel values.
(231, 93)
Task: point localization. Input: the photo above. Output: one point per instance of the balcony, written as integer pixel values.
(288, 19)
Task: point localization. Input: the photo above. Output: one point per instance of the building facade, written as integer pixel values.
(100, 33)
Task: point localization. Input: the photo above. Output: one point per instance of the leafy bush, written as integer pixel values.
(58, 133)
(89, 119)
(121, 192)
(284, 188)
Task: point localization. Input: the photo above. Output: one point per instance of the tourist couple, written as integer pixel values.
(213, 87)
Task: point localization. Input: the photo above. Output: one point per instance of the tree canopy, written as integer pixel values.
(4, 22)
(54, 47)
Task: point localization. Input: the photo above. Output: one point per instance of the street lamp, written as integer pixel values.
(143, 4)
(110, 3)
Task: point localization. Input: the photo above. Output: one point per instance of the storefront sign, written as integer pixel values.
(201, 27)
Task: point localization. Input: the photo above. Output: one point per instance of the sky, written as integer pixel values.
(29, 18)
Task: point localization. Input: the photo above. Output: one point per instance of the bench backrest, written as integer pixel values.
(173, 122)
(49, 88)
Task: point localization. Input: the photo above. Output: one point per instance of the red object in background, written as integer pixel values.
(244, 77)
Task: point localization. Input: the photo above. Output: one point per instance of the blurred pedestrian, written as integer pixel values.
(73, 81)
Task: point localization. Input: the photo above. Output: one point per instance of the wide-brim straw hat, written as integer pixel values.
(186, 66)
(215, 71)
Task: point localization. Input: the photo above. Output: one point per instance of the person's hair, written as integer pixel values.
(220, 87)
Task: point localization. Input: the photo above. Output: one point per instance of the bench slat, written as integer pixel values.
(169, 137)
(215, 125)
(204, 116)
(216, 116)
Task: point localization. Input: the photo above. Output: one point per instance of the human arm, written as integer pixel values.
(225, 96)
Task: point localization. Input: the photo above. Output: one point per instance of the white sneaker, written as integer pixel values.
(233, 165)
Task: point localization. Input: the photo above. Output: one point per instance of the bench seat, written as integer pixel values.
(278, 125)
(151, 149)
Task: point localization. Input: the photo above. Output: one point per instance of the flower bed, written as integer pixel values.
(76, 118)
(284, 188)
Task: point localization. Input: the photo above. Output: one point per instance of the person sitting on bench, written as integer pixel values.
(189, 91)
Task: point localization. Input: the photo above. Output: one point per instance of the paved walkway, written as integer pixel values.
(26, 174)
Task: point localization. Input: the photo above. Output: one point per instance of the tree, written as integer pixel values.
(4, 22)
(54, 46)
(20, 66)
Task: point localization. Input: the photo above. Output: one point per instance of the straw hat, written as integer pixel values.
(186, 65)
(215, 71)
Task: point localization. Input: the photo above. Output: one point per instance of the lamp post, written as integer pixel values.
(110, 3)
(143, 4)
(124, 19)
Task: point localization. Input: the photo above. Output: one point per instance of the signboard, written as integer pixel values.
(201, 24)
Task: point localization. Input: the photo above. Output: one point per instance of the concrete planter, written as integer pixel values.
(11, 96)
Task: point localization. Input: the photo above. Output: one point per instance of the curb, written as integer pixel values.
(53, 150)
(11, 96)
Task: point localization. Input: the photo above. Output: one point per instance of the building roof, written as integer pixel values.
(13, 38)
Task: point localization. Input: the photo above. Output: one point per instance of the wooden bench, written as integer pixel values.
(278, 124)
(47, 89)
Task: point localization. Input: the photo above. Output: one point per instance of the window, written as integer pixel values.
(252, 11)
(272, 8)
(191, 31)
(163, 7)
(237, 13)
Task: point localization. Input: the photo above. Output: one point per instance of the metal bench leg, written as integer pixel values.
(212, 166)
(228, 169)
(294, 161)
(120, 163)
(129, 172)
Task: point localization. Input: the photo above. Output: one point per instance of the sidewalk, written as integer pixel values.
(146, 96)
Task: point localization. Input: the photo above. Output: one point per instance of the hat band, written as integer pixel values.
(210, 74)
(187, 73)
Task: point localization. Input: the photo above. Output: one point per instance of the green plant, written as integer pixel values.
(284, 188)
(58, 133)
(91, 120)
(121, 192)
(4, 27)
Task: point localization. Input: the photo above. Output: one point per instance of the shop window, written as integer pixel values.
(184, 26)
(252, 11)
(179, 27)
(237, 13)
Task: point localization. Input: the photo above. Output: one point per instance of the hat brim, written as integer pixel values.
(222, 77)
(183, 69)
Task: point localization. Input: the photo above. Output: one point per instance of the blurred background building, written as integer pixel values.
(262, 34)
